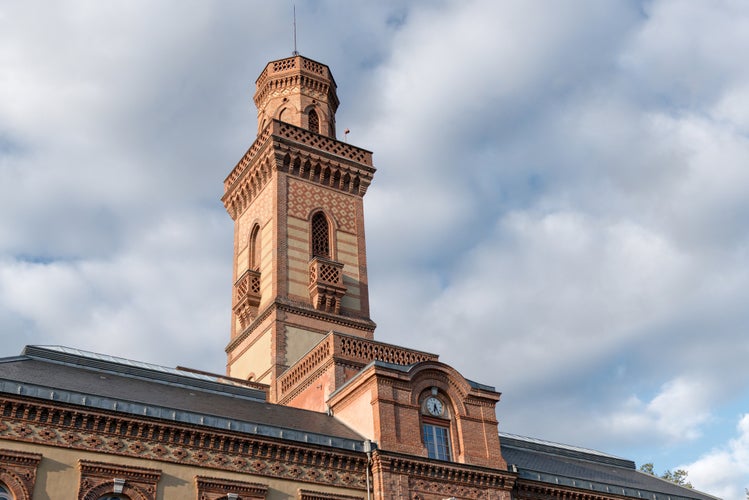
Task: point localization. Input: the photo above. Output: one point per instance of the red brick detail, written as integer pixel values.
(321, 495)
(348, 350)
(99, 478)
(24, 420)
(304, 197)
(18, 472)
(211, 488)
(414, 478)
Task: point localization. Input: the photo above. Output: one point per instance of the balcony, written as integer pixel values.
(326, 284)
(247, 297)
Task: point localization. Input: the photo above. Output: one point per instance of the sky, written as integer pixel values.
(561, 207)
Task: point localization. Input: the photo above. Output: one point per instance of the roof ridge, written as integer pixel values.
(146, 371)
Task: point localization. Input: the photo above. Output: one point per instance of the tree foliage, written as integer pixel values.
(679, 476)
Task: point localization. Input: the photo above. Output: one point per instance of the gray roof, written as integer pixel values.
(557, 464)
(115, 384)
(109, 383)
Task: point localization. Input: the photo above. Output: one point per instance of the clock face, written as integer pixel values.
(434, 406)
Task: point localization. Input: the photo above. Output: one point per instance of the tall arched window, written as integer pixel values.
(5, 493)
(435, 426)
(313, 122)
(320, 236)
(255, 248)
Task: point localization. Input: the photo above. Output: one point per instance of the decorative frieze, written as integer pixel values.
(18, 471)
(99, 479)
(211, 488)
(296, 151)
(320, 495)
(349, 350)
(39, 423)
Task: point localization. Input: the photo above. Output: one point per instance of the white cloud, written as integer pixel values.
(560, 207)
(724, 471)
(677, 412)
(147, 301)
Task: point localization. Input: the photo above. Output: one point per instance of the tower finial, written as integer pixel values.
(295, 53)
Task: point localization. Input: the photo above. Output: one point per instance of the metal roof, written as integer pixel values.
(137, 389)
(583, 468)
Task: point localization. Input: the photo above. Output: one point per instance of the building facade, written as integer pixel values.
(312, 406)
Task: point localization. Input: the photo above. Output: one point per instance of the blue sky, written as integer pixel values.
(561, 207)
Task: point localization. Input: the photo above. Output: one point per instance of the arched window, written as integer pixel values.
(282, 115)
(114, 497)
(5, 493)
(313, 122)
(320, 241)
(435, 426)
(255, 248)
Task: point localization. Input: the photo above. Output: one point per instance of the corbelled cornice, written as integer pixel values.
(282, 147)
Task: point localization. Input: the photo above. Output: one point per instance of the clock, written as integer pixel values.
(434, 406)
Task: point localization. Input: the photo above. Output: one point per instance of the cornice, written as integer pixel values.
(19, 458)
(304, 310)
(296, 71)
(433, 470)
(65, 426)
(297, 152)
(543, 491)
(308, 381)
(104, 469)
(220, 485)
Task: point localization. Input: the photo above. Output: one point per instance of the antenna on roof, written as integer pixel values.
(295, 53)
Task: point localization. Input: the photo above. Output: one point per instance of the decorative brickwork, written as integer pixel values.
(320, 495)
(347, 350)
(304, 367)
(531, 490)
(326, 284)
(18, 472)
(431, 480)
(247, 297)
(211, 488)
(364, 351)
(326, 144)
(240, 168)
(98, 479)
(305, 197)
(351, 172)
(55, 425)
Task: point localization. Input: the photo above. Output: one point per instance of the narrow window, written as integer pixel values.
(255, 248)
(320, 236)
(437, 441)
(313, 122)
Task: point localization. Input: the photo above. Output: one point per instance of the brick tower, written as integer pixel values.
(300, 268)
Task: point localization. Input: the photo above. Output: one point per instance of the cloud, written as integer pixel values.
(577, 207)
(724, 471)
(147, 301)
(677, 411)
(560, 207)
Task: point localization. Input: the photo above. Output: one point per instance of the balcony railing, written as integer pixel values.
(326, 284)
(247, 297)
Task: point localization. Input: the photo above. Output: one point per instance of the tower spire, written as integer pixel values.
(295, 53)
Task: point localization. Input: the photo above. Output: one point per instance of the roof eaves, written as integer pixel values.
(138, 370)
(600, 487)
(174, 415)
